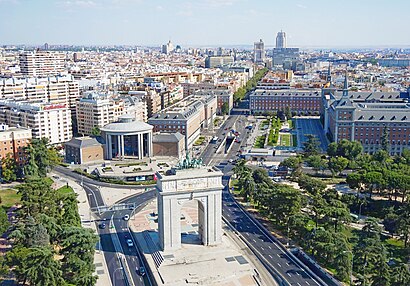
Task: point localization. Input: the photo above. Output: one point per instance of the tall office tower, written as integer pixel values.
(167, 48)
(41, 63)
(281, 40)
(259, 52)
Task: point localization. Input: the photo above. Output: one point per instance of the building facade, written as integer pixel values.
(51, 121)
(97, 110)
(127, 138)
(83, 150)
(187, 117)
(281, 40)
(12, 141)
(367, 116)
(298, 101)
(41, 63)
(218, 61)
(55, 90)
(259, 52)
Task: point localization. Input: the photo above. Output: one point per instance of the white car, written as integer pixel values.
(130, 243)
(126, 217)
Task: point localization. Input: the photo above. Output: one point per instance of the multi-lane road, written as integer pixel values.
(278, 261)
(120, 233)
(272, 254)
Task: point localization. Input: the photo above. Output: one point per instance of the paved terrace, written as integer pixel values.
(193, 264)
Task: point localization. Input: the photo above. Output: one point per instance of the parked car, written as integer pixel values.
(102, 225)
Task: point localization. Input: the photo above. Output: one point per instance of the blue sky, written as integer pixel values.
(324, 23)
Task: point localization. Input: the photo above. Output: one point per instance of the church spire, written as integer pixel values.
(329, 75)
(345, 87)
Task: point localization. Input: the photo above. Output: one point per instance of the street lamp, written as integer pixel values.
(113, 275)
(351, 269)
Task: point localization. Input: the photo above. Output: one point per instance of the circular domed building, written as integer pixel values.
(127, 138)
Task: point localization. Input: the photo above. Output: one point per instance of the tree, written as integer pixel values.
(286, 202)
(337, 212)
(345, 148)
(403, 222)
(37, 197)
(400, 275)
(317, 162)
(384, 140)
(337, 164)
(312, 185)
(30, 233)
(4, 222)
(95, 131)
(8, 168)
(311, 146)
(225, 108)
(41, 268)
(288, 112)
(78, 246)
(41, 158)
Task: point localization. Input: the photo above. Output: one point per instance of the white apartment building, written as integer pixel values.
(55, 90)
(52, 121)
(97, 110)
(41, 63)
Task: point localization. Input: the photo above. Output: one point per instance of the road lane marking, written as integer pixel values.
(289, 274)
(307, 283)
(270, 247)
(299, 284)
(279, 264)
(278, 255)
(262, 248)
(270, 256)
(254, 240)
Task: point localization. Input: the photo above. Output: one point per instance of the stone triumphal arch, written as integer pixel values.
(203, 184)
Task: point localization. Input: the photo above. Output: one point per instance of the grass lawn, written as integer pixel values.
(260, 142)
(65, 190)
(285, 139)
(199, 141)
(9, 198)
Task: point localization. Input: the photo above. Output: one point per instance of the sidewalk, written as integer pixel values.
(84, 210)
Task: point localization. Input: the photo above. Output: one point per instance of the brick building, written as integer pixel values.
(366, 116)
(299, 101)
(83, 150)
(13, 140)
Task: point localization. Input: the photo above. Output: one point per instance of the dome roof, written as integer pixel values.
(127, 124)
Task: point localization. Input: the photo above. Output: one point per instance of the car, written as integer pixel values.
(230, 161)
(102, 225)
(126, 217)
(141, 271)
(130, 243)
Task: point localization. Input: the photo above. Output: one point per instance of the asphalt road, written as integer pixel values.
(274, 257)
(132, 257)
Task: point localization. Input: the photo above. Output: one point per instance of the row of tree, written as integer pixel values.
(251, 84)
(49, 245)
(317, 219)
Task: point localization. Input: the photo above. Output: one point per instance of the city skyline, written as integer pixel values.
(211, 22)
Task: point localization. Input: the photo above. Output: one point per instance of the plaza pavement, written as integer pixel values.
(227, 264)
